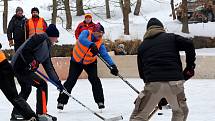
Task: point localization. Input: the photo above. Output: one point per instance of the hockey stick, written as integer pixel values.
(65, 91)
(59, 86)
(101, 117)
(120, 76)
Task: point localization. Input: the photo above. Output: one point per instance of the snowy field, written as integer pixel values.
(114, 26)
(119, 101)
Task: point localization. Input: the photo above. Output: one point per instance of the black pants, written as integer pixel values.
(74, 72)
(8, 87)
(26, 82)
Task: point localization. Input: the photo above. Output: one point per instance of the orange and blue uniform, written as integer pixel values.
(81, 51)
(83, 59)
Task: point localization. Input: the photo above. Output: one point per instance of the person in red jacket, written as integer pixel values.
(87, 24)
(36, 24)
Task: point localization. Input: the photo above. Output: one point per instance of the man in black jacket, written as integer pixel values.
(16, 32)
(161, 69)
(25, 62)
(8, 87)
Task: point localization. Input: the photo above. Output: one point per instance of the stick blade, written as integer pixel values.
(114, 118)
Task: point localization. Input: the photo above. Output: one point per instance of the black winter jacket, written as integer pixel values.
(16, 30)
(159, 59)
(38, 47)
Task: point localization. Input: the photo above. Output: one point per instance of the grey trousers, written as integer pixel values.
(147, 100)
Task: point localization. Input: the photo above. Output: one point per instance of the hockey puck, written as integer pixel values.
(160, 113)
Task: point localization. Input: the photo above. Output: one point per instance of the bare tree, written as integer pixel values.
(79, 7)
(5, 14)
(185, 28)
(173, 9)
(137, 8)
(54, 13)
(107, 9)
(129, 7)
(125, 11)
(68, 14)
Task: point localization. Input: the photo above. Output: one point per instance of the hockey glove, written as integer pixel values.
(114, 70)
(163, 102)
(34, 65)
(189, 72)
(94, 50)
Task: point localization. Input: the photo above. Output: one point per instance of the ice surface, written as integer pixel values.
(119, 100)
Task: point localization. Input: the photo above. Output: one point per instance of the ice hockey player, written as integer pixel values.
(87, 24)
(84, 57)
(160, 67)
(25, 62)
(8, 87)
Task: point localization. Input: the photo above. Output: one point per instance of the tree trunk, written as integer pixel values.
(5, 14)
(107, 9)
(79, 7)
(185, 28)
(129, 7)
(126, 17)
(68, 15)
(137, 8)
(173, 9)
(54, 13)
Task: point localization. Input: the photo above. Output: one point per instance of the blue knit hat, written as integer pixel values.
(52, 31)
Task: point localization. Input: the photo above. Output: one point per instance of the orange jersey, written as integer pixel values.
(39, 29)
(82, 53)
(2, 56)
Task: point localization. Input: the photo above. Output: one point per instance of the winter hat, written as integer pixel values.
(154, 21)
(98, 28)
(88, 15)
(19, 9)
(52, 31)
(35, 9)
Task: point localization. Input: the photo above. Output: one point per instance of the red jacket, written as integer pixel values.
(83, 26)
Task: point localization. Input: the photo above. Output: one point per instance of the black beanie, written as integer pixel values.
(154, 21)
(52, 31)
(35, 9)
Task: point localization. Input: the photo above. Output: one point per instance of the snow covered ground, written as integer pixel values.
(119, 101)
(114, 26)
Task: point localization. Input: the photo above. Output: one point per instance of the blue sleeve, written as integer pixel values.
(83, 38)
(105, 55)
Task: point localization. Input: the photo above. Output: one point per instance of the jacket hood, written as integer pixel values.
(153, 31)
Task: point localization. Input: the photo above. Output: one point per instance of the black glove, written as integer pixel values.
(0, 46)
(34, 65)
(189, 72)
(163, 102)
(94, 50)
(114, 70)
